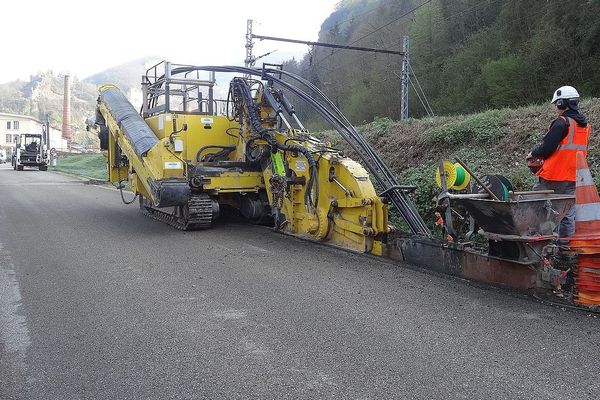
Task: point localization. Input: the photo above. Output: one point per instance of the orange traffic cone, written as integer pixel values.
(587, 210)
(586, 240)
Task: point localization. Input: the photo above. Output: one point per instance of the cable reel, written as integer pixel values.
(457, 178)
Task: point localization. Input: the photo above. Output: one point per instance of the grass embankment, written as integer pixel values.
(87, 165)
(491, 142)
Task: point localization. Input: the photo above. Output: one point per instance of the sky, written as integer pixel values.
(85, 37)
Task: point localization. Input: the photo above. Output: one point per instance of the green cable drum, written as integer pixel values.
(462, 178)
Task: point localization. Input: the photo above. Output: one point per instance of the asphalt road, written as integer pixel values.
(99, 302)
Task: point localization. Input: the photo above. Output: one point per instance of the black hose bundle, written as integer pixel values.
(241, 94)
(223, 153)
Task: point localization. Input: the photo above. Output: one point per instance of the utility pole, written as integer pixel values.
(46, 131)
(249, 61)
(405, 80)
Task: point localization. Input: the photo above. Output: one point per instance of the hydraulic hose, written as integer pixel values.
(241, 91)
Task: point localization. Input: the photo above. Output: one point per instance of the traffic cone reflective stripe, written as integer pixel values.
(587, 218)
(584, 176)
(588, 212)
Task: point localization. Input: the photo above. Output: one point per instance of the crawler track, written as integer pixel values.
(196, 214)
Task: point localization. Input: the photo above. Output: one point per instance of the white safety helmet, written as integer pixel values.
(566, 93)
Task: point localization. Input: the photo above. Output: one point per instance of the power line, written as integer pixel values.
(378, 29)
(417, 88)
(447, 19)
(331, 45)
(419, 96)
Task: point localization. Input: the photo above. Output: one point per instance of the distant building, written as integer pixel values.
(12, 125)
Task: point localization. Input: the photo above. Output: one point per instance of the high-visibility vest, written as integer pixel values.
(562, 164)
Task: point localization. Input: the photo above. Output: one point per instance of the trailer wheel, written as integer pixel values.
(43, 168)
(19, 168)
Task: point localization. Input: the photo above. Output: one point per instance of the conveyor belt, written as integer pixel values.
(133, 126)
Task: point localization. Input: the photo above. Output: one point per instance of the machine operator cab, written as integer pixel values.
(32, 146)
(28, 141)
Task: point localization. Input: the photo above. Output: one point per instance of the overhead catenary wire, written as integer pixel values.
(420, 94)
(447, 19)
(418, 88)
(377, 29)
(352, 17)
(330, 45)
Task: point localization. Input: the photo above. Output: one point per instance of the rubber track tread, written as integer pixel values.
(199, 216)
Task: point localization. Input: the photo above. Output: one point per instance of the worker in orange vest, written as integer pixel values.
(567, 135)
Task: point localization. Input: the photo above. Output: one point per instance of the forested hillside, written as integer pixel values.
(468, 55)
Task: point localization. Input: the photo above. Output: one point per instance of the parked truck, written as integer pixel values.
(32, 150)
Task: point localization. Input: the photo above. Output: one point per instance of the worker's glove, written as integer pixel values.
(534, 163)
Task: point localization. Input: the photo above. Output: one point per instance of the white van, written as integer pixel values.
(2, 156)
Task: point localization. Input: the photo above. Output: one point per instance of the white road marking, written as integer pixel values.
(255, 349)
(259, 249)
(14, 333)
(230, 314)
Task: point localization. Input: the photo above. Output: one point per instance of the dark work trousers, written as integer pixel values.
(567, 225)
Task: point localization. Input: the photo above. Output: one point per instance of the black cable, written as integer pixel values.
(226, 150)
(121, 187)
(572, 307)
(238, 136)
(241, 90)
